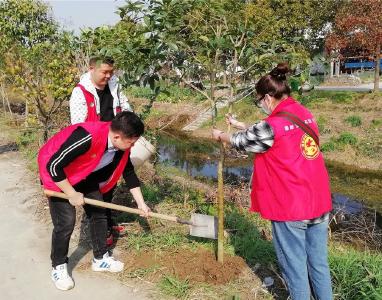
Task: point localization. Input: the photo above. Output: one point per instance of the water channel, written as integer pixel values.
(352, 189)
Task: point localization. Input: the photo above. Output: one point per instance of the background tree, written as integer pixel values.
(200, 40)
(310, 20)
(38, 60)
(358, 25)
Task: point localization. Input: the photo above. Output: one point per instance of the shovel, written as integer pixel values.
(200, 225)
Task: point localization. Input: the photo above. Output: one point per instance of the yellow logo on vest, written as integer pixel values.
(309, 148)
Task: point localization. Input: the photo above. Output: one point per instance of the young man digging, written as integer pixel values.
(86, 160)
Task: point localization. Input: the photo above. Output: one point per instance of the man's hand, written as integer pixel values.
(145, 210)
(76, 199)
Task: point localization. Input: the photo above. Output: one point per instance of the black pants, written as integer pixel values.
(64, 217)
(108, 197)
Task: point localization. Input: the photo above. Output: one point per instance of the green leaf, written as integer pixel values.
(172, 46)
(204, 38)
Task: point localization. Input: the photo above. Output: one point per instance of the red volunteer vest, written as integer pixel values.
(92, 115)
(290, 180)
(83, 165)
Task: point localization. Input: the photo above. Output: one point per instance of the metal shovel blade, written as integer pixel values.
(204, 226)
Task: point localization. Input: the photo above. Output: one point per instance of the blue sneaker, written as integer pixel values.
(61, 278)
(107, 264)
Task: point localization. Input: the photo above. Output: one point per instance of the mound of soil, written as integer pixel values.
(198, 266)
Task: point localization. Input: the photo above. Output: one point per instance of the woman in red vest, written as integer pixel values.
(290, 184)
(87, 159)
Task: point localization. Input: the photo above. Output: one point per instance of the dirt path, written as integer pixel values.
(25, 246)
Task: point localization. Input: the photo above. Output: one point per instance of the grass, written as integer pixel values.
(354, 121)
(322, 122)
(345, 138)
(142, 272)
(321, 96)
(356, 275)
(161, 241)
(172, 286)
(376, 123)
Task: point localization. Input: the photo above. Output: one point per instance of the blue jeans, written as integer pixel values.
(302, 254)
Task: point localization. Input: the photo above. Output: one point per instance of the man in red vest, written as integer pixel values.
(98, 97)
(87, 159)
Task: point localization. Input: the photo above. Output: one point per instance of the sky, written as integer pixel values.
(74, 15)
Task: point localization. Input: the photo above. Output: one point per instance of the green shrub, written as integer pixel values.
(328, 147)
(26, 138)
(347, 138)
(354, 121)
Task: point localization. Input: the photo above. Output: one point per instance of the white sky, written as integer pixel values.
(74, 15)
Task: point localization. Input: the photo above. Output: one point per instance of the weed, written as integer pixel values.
(347, 138)
(338, 143)
(142, 272)
(163, 240)
(376, 122)
(174, 287)
(247, 241)
(356, 275)
(172, 94)
(321, 96)
(328, 146)
(26, 138)
(354, 121)
(370, 148)
(321, 122)
(139, 92)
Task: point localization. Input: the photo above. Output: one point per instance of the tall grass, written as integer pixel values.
(356, 275)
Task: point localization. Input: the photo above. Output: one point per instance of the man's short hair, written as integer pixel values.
(128, 124)
(97, 60)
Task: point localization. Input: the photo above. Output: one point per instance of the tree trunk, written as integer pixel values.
(331, 68)
(221, 205)
(220, 192)
(212, 97)
(377, 67)
(26, 113)
(337, 67)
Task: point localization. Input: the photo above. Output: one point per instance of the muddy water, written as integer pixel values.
(352, 188)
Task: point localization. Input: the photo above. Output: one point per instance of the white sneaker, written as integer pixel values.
(61, 278)
(107, 263)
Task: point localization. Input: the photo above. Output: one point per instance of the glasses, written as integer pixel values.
(258, 101)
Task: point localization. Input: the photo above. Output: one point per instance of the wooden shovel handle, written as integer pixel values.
(115, 206)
